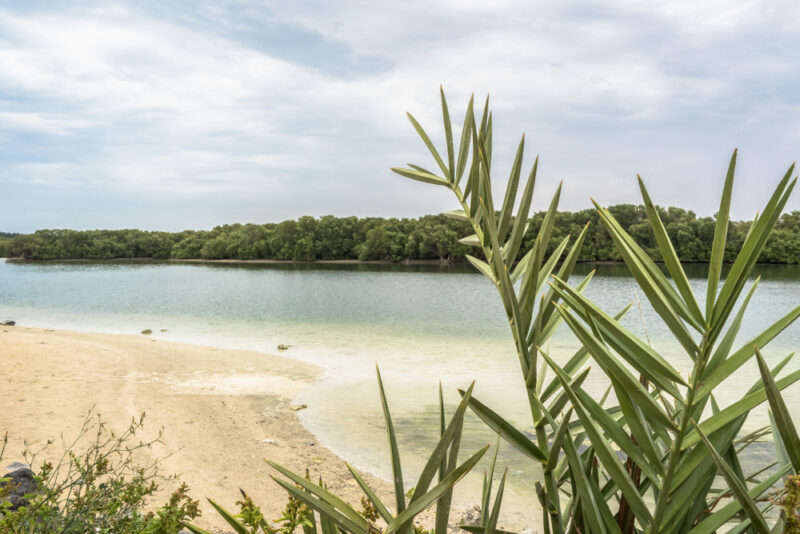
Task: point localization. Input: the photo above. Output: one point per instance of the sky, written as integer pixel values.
(174, 115)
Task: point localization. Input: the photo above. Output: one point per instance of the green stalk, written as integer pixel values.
(677, 443)
(521, 342)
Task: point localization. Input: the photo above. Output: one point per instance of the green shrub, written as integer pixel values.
(788, 499)
(98, 487)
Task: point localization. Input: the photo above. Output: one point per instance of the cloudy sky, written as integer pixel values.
(172, 115)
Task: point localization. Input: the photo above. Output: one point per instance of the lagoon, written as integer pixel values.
(419, 323)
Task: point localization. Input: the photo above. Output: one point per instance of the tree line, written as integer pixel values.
(431, 237)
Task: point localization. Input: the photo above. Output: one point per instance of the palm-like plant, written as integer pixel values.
(670, 454)
(661, 429)
(531, 311)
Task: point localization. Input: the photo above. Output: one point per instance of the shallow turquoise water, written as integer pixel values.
(421, 324)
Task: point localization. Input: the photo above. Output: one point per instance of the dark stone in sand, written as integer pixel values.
(23, 482)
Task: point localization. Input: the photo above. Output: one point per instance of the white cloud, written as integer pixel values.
(123, 98)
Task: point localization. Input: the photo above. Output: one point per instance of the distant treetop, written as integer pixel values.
(431, 237)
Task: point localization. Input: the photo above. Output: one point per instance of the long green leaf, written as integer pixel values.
(613, 368)
(605, 454)
(488, 480)
(443, 504)
(726, 343)
(318, 491)
(442, 509)
(229, 518)
(325, 509)
(564, 273)
(720, 236)
(397, 471)
(442, 430)
(669, 255)
(429, 144)
(750, 251)
(549, 220)
(737, 409)
(370, 494)
(741, 356)
(466, 137)
(414, 508)
(787, 432)
(511, 248)
(737, 486)
(434, 461)
(558, 439)
(635, 351)
(511, 193)
(718, 519)
(654, 284)
(491, 525)
(531, 283)
(483, 268)
(421, 176)
(448, 135)
(780, 448)
(508, 432)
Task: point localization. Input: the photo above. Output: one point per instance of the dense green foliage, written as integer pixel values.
(648, 464)
(430, 237)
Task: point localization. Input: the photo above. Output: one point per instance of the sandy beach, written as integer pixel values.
(223, 411)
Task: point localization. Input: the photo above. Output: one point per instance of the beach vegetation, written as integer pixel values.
(102, 482)
(651, 461)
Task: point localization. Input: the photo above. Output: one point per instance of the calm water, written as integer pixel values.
(421, 324)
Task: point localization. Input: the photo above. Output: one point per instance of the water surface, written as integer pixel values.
(420, 324)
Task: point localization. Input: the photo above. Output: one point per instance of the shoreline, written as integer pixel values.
(223, 410)
(440, 263)
(237, 261)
